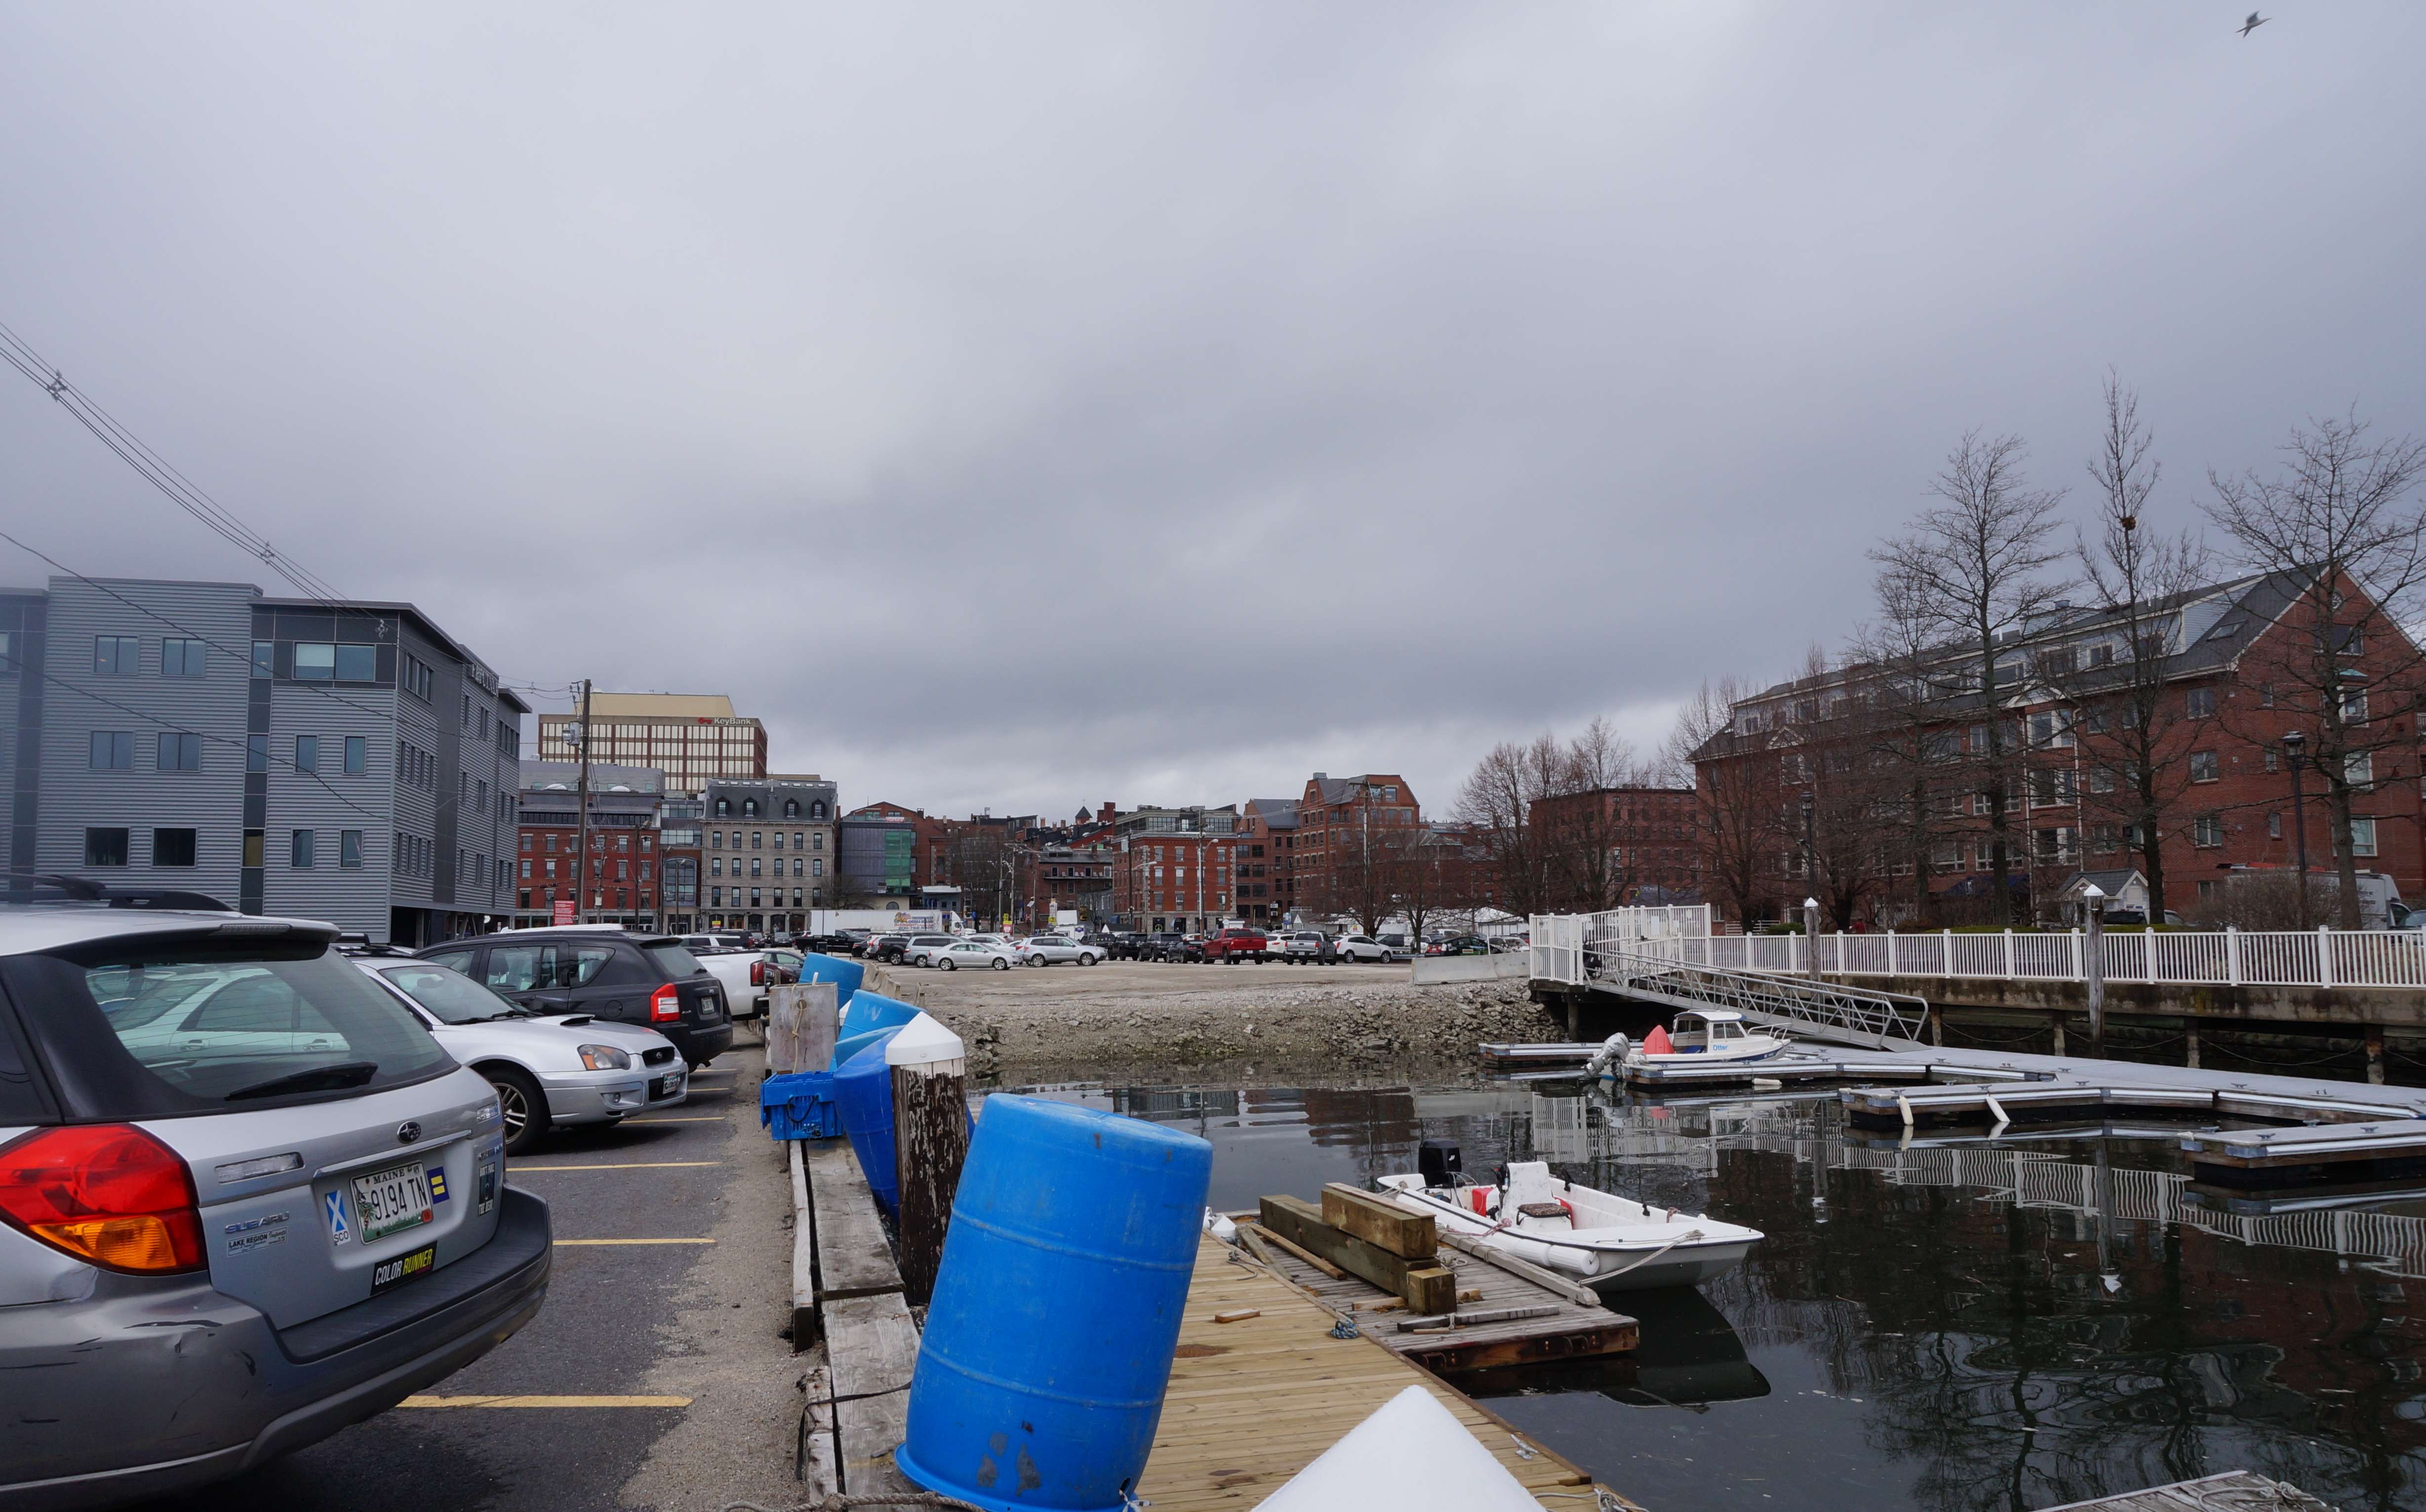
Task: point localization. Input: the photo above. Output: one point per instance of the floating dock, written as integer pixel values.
(1554, 1326)
(2212, 1493)
(2335, 1155)
(2088, 1100)
(1253, 1402)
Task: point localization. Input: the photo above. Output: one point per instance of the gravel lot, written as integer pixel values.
(1157, 1022)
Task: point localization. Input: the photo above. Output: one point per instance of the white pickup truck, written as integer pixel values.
(746, 976)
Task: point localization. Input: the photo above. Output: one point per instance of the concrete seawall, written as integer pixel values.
(1433, 970)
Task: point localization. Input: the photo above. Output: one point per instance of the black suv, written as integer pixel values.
(650, 980)
(1171, 946)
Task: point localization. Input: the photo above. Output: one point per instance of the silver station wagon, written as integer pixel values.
(245, 1197)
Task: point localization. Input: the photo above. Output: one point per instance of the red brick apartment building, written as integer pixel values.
(1880, 789)
(1348, 830)
(1613, 846)
(1267, 856)
(622, 875)
(1172, 868)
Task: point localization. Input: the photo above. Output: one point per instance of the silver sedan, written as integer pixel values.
(554, 1070)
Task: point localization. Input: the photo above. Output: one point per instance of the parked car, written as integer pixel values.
(698, 943)
(1360, 948)
(1463, 945)
(975, 955)
(1054, 950)
(625, 978)
(208, 1260)
(747, 974)
(1123, 944)
(1233, 946)
(1308, 947)
(551, 1071)
(887, 947)
(921, 949)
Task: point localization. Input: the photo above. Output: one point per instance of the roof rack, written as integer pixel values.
(73, 889)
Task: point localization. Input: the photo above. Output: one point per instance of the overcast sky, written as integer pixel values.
(1022, 406)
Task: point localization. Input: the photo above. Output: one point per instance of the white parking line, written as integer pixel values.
(566, 1243)
(546, 1400)
(619, 1165)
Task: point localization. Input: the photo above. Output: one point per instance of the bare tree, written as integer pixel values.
(1735, 797)
(1584, 828)
(1496, 806)
(1977, 564)
(2338, 519)
(2134, 739)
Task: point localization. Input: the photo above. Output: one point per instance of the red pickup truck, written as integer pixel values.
(1234, 945)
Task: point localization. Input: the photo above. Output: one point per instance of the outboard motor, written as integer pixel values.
(1439, 1163)
(1610, 1055)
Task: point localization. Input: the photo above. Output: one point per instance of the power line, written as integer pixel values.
(155, 468)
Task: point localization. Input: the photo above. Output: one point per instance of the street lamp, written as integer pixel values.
(2295, 747)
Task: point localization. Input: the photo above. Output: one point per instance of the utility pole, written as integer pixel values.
(581, 836)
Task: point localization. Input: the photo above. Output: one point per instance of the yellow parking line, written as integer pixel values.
(564, 1241)
(546, 1400)
(620, 1166)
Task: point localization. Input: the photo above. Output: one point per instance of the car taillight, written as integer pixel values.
(108, 1194)
(665, 1005)
(757, 974)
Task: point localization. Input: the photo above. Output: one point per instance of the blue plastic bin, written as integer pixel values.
(845, 975)
(1057, 1308)
(864, 1087)
(865, 1017)
(799, 1106)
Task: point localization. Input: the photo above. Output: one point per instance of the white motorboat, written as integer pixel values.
(1699, 1036)
(1609, 1242)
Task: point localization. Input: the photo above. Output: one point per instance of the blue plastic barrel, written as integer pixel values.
(867, 1016)
(845, 975)
(1057, 1308)
(864, 1087)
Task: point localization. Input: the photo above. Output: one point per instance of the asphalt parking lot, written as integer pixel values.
(655, 1375)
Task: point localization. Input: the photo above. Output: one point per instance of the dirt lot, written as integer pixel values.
(1163, 1021)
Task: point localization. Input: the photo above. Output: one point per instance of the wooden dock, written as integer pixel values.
(2232, 1491)
(1557, 1327)
(2095, 1099)
(1253, 1402)
(2335, 1155)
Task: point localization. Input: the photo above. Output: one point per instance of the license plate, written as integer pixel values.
(664, 1085)
(393, 1201)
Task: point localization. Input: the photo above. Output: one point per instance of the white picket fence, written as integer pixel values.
(2229, 958)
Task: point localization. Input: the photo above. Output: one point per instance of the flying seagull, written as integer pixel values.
(2254, 22)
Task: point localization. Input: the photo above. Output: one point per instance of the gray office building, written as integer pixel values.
(347, 762)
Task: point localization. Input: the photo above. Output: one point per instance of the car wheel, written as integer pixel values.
(523, 1110)
(1000, 964)
(947, 964)
(1085, 960)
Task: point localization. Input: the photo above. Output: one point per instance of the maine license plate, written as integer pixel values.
(393, 1201)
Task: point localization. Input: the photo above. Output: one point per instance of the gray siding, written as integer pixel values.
(77, 702)
(329, 803)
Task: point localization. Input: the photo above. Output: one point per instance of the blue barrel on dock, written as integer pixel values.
(845, 975)
(865, 1016)
(863, 1088)
(1057, 1308)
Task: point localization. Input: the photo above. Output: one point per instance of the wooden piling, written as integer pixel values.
(801, 1021)
(930, 1131)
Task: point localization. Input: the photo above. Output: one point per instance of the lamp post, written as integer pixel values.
(2296, 749)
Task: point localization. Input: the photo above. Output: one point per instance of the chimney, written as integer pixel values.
(1321, 776)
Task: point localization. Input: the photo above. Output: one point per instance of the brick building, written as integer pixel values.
(769, 852)
(1351, 833)
(622, 874)
(1172, 868)
(1880, 790)
(1627, 844)
(1266, 872)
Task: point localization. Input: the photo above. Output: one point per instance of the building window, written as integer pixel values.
(2354, 707)
(724, 808)
(181, 656)
(816, 809)
(525, 866)
(817, 866)
(2275, 826)
(358, 755)
(817, 841)
(179, 752)
(307, 753)
(2273, 761)
(264, 658)
(305, 846)
(252, 849)
(716, 897)
(112, 750)
(104, 848)
(753, 867)
(2206, 831)
(2359, 768)
(2362, 836)
(791, 807)
(315, 661)
(2266, 695)
(2204, 767)
(172, 848)
(2200, 703)
(716, 867)
(349, 848)
(256, 753)
(749, 808)
(115, 656)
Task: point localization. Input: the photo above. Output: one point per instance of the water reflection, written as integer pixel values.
(1952, 1325)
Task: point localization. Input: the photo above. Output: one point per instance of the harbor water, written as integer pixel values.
(1950, 1326)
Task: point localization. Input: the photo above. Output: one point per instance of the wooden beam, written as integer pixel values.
(1566, 1286)
(871, 1352)
(1255, 1230)
(804, 1256)
(1425, 1288)
(1377, 1220)
(854, 1258)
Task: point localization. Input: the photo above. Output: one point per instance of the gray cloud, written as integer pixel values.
(1029, 409)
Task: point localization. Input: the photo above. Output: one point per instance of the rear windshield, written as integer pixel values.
(150, 1028)
(449, 996)
(673, 960)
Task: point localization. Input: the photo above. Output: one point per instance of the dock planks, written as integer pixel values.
(1252, 1403)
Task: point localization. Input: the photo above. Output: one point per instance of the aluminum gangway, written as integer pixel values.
(1821, 1010)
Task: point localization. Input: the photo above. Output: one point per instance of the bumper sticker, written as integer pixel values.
(334, 1206)
(438, 1185)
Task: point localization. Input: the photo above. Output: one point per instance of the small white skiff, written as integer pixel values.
(1700, 1036)
(1609, 1242)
